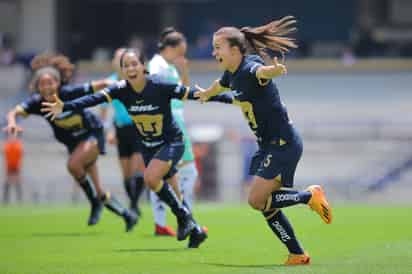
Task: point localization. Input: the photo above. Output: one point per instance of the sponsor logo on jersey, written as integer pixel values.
(144, 108)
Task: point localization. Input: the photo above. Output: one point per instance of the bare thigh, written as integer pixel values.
(260, 190)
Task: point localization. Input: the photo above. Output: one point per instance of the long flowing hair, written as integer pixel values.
(273, 36)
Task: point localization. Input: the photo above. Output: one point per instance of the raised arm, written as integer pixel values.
(271, 71)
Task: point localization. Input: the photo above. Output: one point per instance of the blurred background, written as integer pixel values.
(348, 89)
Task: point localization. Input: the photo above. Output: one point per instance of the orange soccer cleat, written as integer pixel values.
(319, 203)
(164, 231)
(298, 259)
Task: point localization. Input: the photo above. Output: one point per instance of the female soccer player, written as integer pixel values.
(147, 100)
(171, 64)
(80, 131)
(126, 139)
(280, 146)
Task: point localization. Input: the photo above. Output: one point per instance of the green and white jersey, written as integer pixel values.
(158, 65)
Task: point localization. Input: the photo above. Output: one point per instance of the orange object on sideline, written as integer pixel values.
(13, 153)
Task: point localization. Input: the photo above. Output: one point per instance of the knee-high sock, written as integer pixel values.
(167, 195)
(280, 225)
(130, 190)
(111, 203)
(138, 185)
(285, 198)
(187, 179)
(88, 188)
(134, 187)
(159, 209)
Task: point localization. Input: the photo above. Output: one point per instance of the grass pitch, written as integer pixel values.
(362, 239)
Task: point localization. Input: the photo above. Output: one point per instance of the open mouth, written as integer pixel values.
(219, 59)
(133, 76)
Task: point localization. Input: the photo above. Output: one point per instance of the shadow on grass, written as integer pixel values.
(268, 266)
(151, 250)
(66, 234)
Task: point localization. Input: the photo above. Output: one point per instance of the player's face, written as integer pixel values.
(223, 52)
(180, 50)
(132, 69)
(47, 86)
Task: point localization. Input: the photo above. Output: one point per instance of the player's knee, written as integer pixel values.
(74, 169)
(151, 180)
(256, 203)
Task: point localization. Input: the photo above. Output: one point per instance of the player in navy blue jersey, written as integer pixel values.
(147, 100)
(280, 146)
(126, 139)
(80, 131)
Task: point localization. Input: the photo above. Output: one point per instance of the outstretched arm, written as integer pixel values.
(74, 91)
(54, 109)
(12, 128)
(269, 72)
(204, 94)
(225, 98)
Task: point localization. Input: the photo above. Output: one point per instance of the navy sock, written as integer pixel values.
(285, 198)
(280, 225)
(167, 195)
(134, 187)
(88, 189)
(111, 203)
(138, 185)
(128, 187)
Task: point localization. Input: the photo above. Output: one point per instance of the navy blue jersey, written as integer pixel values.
(69, 127)
(259, 101)
(149, 109)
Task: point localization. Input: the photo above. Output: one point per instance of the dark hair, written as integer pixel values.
(270, 36)
(170, 37)
(58, 61)
(138, 54)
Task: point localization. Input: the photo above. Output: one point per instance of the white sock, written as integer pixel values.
(187, 179)
(159, 209)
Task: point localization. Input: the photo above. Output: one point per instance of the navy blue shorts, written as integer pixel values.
(127, 141)
(97, 135)
(273, 159)
(169, 152)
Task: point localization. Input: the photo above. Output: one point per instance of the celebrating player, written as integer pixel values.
(80, 131)
(280, 146)
(171, 64)
(127, 141)
(147, 100)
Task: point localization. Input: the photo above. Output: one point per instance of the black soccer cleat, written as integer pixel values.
(197, 236)
(130, 219)
(95, 213)
(185, 225)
